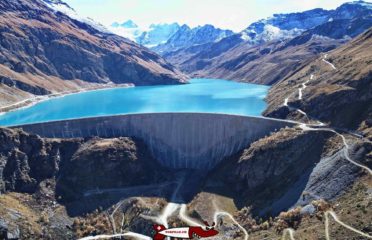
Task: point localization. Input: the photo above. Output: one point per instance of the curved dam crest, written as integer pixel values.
(176, 140)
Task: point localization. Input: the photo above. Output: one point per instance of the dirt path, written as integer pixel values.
(319, 127)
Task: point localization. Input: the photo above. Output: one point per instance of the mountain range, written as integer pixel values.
(169, 37)
(269, 49)
(152, 36)
(265, 52)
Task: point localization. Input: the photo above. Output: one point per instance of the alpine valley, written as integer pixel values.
(308, 178)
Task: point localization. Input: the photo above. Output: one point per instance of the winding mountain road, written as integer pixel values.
(184, 217)
(334, 216)
(304, 86)
(218, 214)
(319, 127)
(171, 206)
(290, 232)
(330, 64)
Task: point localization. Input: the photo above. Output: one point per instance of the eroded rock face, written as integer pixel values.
(284, 155)
(27, 159)
(291, 167)
(106, 164)
(272, 163)
(77, 164)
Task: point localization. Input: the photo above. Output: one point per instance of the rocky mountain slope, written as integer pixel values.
(47, 172)
(44, 51)
(80, 164)
(270, 49)
(338, 91)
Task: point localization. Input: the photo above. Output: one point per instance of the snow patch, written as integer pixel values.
(244, 36)
(59, 6)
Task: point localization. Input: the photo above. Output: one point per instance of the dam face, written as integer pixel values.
(176, 140)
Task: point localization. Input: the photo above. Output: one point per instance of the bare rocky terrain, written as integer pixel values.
(339, 95)
(44, 52)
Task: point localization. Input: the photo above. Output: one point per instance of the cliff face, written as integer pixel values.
(43, 51)
(78, 165)
(26, 160)
(338, 94)
(274, 173)
(106, 164)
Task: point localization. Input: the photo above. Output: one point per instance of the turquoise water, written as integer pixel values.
(201, 95)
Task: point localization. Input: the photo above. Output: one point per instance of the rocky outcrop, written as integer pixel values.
(26, 159)
(41, 49)
(291, 167)
(77, 165)
(24, 86)
(106, 164)
(269, 166)
(287, 154)
(7, 232)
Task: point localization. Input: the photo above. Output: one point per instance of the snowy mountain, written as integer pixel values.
(60, 6)
(150, 36)
(186, 37)
(127, 24)
(271, 48)
(158, 34)
(285, 26)
(282, 26)
(127, 29)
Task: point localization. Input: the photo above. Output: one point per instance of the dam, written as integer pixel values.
(176, 140)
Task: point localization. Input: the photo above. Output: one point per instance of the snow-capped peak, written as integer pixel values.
(149, 36)
(362, 3)
(60, 6)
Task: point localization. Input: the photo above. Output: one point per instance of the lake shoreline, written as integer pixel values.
(28, 102)
(200, 95)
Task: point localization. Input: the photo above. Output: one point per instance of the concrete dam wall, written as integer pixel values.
(177, 140)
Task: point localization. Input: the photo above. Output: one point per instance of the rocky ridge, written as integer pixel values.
(45, 51)
(271, 49)
(187, 37)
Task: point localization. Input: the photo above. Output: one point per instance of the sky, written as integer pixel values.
(227, 14)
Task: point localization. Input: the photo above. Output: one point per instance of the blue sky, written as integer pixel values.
(231, 14)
